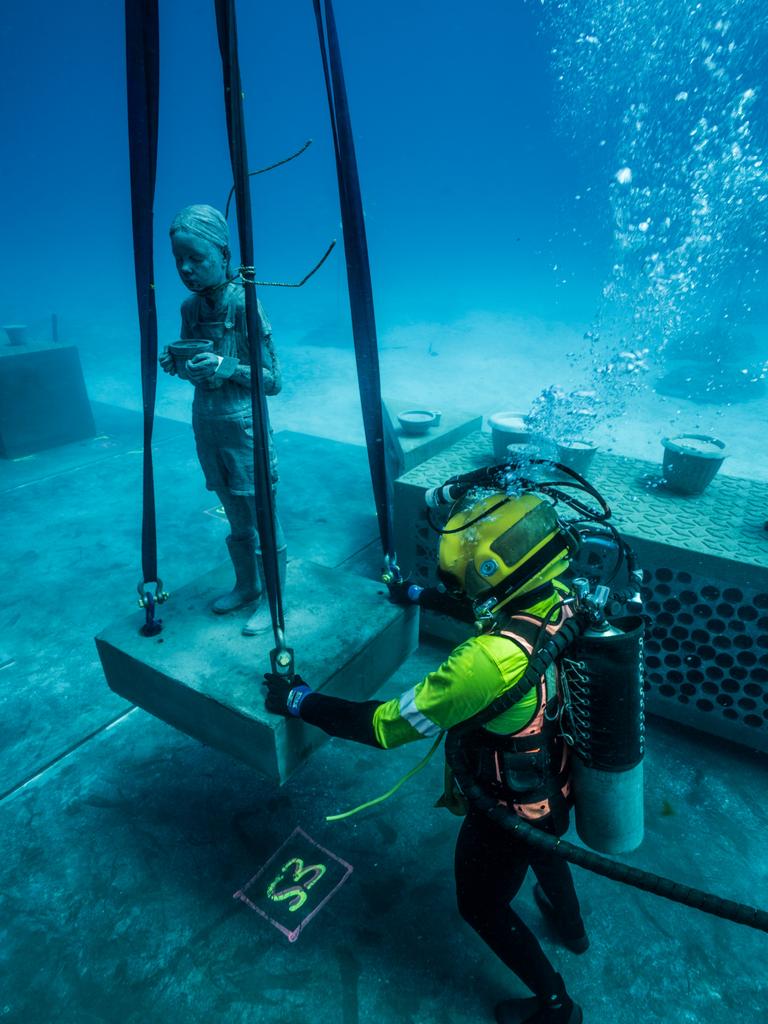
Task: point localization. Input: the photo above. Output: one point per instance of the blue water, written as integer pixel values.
(468, 187)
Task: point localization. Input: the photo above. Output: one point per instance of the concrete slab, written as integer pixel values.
(203, 677)
(405, 451)
(117, 432)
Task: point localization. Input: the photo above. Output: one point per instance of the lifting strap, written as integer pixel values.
(265, 510)
(143, 73)
(358, 269)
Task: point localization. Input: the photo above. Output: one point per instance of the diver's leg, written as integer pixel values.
(556, 897)
(490, 866)
(242, 550)
(555, 893)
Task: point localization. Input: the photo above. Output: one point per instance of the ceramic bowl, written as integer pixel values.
(418, 421)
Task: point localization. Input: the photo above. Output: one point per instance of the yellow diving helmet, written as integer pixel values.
(500, 547)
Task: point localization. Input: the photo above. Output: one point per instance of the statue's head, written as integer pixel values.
(200, 243)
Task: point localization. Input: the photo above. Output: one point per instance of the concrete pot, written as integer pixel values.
(576, 454)
(418, 421)
(691, 462)
(508, 428)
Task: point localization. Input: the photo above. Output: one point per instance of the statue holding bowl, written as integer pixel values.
(212, 354)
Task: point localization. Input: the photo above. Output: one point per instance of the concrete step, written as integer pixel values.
(201, 675)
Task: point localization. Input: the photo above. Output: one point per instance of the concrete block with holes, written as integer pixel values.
(706, 583)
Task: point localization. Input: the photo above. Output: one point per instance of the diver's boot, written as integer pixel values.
(575, 940)
(261, 620)
(557, 1008)
(242, 551)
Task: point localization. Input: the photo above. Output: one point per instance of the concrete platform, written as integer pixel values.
(202, 676)
(70, 518)
(406, 451)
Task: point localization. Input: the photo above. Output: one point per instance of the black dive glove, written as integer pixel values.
(431, 599)
(285, 694)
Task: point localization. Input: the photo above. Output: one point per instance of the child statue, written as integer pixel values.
(221, 410)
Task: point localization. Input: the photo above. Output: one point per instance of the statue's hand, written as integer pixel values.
(202, 366)
(167, 363)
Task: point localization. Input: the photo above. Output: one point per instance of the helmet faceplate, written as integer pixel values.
(511, 543)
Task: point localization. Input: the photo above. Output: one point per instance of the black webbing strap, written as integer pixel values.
(358, 268)
(265, 510)
(143, 74)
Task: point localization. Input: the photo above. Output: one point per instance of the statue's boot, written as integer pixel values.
(242, 551)
(261, 620)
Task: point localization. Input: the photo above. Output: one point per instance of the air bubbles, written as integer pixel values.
(624, 176)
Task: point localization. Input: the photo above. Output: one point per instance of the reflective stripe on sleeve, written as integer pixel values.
(415, 718)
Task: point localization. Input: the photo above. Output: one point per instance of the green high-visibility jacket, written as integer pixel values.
(472, 676)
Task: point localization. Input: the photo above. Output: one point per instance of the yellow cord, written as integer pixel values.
(385, 796)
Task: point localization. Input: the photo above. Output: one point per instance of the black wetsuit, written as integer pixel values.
(490, 866)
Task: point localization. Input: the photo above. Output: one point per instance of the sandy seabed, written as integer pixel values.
(482, 364)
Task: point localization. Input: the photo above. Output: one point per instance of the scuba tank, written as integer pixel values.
(604, 723)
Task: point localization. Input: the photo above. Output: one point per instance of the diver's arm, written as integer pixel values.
(347, 719)
(433, 599)
(467, 681)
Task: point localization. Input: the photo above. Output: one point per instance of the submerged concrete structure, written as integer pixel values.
(123, 840)
(43, 401)
(706, 582)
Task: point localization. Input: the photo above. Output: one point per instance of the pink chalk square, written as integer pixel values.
(295, 883)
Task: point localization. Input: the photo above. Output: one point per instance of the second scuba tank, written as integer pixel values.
(605, 712)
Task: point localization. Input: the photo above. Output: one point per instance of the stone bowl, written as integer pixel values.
(418, 421)
(508, 428)
(184, 350)
(576, 454)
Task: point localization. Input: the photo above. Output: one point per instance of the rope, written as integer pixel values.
(358, 269)
(390, 792)
(263, 170)
(265, 510)
(142, 47)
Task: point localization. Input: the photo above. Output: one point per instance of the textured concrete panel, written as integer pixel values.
(706, 561)
(203, 677)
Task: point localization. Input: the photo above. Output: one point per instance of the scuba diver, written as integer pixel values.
(506, 554)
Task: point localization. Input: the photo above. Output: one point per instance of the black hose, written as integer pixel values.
(537, 666)
(730, 910)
